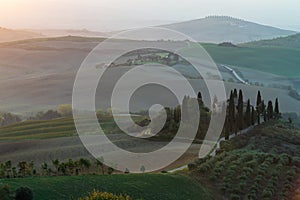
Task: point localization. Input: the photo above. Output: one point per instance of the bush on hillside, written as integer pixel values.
(24, 193)
(5, 192)
(96, 195)
(8, 118)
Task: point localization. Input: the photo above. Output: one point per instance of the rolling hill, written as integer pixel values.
(273, 56)
(217, 29)
(65, 32)
(270, 59)
(38, 74)
(292, 41)
(7, 35)
(262, 164)
(212, 29)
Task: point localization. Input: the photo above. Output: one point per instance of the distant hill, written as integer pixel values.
(7, 35)
(72, 32)
(292, 41)
(218, 29)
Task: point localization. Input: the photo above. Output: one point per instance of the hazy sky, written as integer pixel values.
(104, 15)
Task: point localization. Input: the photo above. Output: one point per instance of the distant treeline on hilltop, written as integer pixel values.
(224, 17)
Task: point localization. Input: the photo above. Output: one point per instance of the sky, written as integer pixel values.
(109, 15)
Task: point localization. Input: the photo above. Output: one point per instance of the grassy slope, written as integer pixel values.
(45, 39)
(44, 129)
(38, 129)
(266, 55)
(292, 41)
(263, 58)
(145, 186)
(12, 35)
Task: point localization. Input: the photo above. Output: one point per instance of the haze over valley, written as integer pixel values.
(149, 100)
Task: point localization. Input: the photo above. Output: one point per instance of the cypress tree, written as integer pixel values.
(263, 111)
(227, 128)
(177, 113)
(240, 120)
(169, 113)
(200, 101)
(276, 109)
(270, 110)
(236, 127)
(235, 94)
(253, 116)
(248, 114)
(258, 98)
(199, 95)
(258, 106)
(231, 112)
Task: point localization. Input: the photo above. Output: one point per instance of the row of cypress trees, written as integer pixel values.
(242, 114)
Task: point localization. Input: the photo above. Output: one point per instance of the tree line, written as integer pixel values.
(55, 168)
(241, 114)
(184, 113)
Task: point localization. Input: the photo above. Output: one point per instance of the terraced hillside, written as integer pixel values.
(38, 130)
(45, 129)
(263, 164)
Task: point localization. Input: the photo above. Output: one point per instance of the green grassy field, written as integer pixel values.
(144, 186)
(292, 41)
(271, 59)
(44, 129)
(38, 129)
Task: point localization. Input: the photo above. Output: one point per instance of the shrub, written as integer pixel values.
(247, 157)
(213, 178)
(24, 193)
(235, 197)
(247, 170)
(254, 188)
(267, 194)
(192, 166)
(242, 177)
(285, 159)
(288, 186)
(259, 178)
(204, 168)
(5, 192)
(252, 164)
(96, 195)
(242, 185)
(224, 187)
(65, 110)
(218, 171)
(221, 156)
(251, 196)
